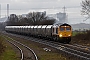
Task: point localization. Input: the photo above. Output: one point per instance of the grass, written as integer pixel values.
(51, 56)
(1, 46)
(9, 53)
(82, 38)
(76, 33)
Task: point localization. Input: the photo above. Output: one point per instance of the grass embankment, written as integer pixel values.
(8, 52)
(82, 38)
(1, 46)
(76, 33)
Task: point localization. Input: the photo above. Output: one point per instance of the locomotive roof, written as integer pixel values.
(65, 24)
(62, 24)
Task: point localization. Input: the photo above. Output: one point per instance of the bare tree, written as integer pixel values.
(36, 17)
(86, 8)
(12, 20)
(32, 18)
(39, 18)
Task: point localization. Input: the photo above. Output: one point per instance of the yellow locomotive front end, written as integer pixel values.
(65, 33)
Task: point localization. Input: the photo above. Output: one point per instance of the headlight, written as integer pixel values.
(60, 35)
(69, 35)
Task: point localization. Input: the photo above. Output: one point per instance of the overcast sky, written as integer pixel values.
(27, 4)
(73, 7)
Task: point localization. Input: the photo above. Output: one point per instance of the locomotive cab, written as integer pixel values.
(62, 33)
(65, 33)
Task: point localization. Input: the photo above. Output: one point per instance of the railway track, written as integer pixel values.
(25, 52)
(69, 50)
(80, 47)
(73, 50)
(83, 47)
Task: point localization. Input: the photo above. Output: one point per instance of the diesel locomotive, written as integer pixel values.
(59, 32)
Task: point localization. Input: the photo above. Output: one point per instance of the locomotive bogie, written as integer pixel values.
(65, 39)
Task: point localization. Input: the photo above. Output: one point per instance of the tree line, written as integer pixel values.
(32, 18)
